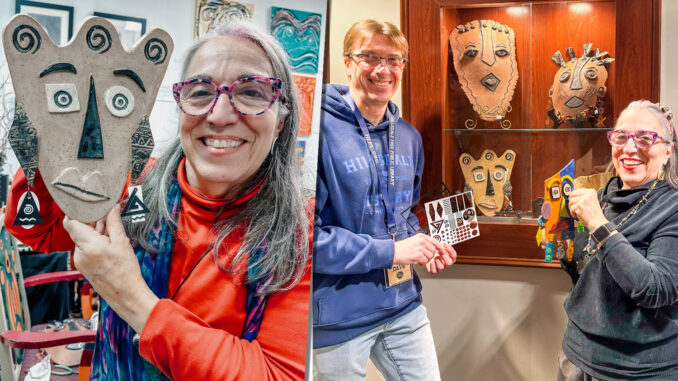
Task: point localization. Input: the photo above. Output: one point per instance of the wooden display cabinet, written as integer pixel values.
(435, 104)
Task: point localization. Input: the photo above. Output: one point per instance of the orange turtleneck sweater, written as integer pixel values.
(196, 335)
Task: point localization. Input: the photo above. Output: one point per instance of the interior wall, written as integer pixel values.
(668, 93)
(488, 322)
(343, 14)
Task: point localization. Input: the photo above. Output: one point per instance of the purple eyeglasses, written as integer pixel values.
(643, 139)
(250, 96)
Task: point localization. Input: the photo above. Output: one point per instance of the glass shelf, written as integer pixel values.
(525, 129)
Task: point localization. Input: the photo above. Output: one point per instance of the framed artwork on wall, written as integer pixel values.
(130, 29)
(299, 34)
(211, 13)
(306, 93)
(56, 19)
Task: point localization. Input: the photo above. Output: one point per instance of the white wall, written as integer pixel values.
(345, 13)
(669, 56)
(177, 18)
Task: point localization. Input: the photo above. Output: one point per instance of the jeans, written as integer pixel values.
(402, 349)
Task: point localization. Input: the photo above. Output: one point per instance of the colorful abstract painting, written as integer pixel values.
(305, 93)
(12, 299)
(301, 151)
(299, 34)
(212, 13)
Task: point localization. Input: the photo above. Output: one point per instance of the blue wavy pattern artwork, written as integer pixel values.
(299, 34)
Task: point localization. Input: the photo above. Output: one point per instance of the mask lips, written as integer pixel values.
(574, 102)
(490, 81)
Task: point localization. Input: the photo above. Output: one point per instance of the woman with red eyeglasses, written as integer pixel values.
(623, 306)
(215, 283)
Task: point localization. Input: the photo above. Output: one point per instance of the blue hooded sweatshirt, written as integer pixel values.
(352, 244)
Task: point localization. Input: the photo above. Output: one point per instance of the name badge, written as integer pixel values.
(397, 274)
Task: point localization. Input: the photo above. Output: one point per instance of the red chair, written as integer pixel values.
(15, 322)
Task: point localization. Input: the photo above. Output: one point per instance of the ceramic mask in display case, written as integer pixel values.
(489, 179)
(485, 61)
(579, 86)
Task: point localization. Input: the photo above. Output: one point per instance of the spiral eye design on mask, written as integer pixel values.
(119, 101)
(591, 74)
(62, 97)
(498, 174)
(565, 76)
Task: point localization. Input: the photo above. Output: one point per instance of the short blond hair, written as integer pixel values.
(366, 29)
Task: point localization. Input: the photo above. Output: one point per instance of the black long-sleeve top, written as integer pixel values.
(623, 308)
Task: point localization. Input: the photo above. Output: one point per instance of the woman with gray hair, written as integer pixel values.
(623, 306)
(215, 283)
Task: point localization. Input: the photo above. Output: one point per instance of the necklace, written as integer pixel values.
(591, 248)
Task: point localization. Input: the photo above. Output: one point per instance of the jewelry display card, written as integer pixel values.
(452, 219)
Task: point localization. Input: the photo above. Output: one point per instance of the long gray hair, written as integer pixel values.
(668, 131)
(278, 211)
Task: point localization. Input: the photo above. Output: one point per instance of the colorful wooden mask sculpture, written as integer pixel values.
(489, 179)
(556, 225)
(82, 111)
(485, 60)
(579, 86)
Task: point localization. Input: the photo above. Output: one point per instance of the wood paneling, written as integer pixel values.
(435, 104)
(423, 79)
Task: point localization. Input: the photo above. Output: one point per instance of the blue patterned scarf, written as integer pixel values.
(115, 355)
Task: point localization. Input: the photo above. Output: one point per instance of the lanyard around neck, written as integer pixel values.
(388, 193)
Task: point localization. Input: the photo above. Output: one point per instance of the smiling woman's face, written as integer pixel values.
(224, 149)
(637, 167)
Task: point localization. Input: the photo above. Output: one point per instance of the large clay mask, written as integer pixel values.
(485, 61)
(579, 83)
(489, 178)
(82, 110)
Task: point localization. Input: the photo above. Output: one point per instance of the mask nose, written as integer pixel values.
(489, 190)
(91, 143)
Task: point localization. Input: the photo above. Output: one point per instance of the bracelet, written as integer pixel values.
(66, 370)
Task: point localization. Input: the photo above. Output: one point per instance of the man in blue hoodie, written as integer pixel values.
(366, 295)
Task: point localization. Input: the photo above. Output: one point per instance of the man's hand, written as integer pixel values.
(424, 250)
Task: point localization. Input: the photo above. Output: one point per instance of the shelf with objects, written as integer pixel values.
(505, 94)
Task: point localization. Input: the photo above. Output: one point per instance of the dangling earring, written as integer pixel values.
(661, 174)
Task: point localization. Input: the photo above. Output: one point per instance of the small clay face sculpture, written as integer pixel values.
(579, 83)
(485, 60)
(82, 110)
(489, 179)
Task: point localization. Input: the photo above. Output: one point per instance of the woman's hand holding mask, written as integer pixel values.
(104, 255)
(585, 207)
